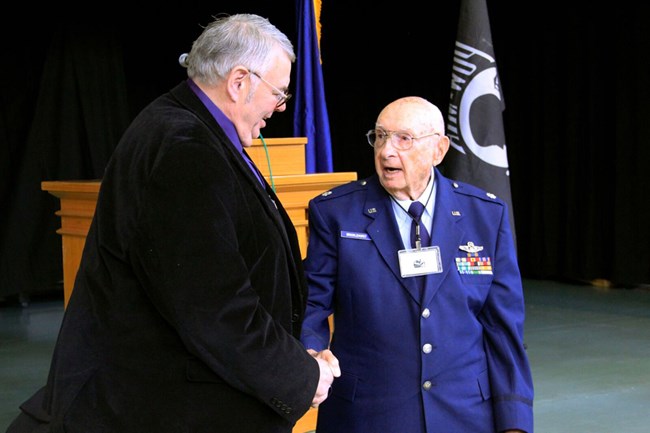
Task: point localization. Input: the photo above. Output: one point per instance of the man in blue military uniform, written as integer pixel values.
(428, 307)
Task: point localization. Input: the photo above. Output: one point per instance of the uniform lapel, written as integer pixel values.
(385, 234)
(446, 233)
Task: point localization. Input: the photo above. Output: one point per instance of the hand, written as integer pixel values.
(329, 369)
(328, 357)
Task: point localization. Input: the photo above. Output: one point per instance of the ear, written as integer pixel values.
(441, 150)
(237, 83)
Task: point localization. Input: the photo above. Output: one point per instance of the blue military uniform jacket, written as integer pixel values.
(447, 358)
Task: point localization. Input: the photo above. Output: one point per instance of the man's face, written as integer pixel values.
(404, 173)
(265, 92)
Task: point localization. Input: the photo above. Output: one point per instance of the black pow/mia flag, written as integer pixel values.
(478, 153)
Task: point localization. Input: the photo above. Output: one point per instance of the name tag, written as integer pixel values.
(355, 235)
(414, 262)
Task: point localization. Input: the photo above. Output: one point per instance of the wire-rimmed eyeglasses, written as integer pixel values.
(282, 96)
(400, 139)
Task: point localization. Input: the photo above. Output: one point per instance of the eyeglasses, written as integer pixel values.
(282, 96)
(401, 140)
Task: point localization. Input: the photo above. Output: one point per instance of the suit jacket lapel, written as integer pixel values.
(188, 98)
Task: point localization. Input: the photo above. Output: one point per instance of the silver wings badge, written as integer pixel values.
(470, 248)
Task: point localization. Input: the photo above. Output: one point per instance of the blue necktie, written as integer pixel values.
(416, 209)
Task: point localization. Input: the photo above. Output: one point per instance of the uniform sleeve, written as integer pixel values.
(503, 320)
(321, 269)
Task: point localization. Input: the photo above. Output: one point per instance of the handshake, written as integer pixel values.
(329, 369)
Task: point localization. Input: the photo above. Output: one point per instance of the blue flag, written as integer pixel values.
(310, 117)
(475, 118)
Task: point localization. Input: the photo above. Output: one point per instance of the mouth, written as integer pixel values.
(391, 170)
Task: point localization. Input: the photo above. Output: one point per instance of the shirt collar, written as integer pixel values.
(429, 191)
(225, 123)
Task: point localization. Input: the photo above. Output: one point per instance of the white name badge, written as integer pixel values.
(414, 262)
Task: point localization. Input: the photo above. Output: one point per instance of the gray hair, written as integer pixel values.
(228, 41)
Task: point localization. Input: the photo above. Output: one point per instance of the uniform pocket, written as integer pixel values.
(345, 386)
(484, 385)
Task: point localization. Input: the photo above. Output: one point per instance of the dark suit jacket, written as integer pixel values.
(446, 358)
(190, 295)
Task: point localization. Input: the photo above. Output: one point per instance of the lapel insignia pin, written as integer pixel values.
(455, 213)
(372, 210)
(492, 196)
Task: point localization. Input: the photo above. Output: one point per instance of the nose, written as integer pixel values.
(387, 150)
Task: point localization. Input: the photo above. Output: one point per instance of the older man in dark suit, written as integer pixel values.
(189, 299)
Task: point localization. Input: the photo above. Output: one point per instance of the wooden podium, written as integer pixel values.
(78, 199)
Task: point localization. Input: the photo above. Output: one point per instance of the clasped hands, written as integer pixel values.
(329, 369)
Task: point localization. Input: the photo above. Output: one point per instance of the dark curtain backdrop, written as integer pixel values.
(576, 84)
(577, 118)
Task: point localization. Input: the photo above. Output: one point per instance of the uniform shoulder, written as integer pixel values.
(469, 190)
(346, 189)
